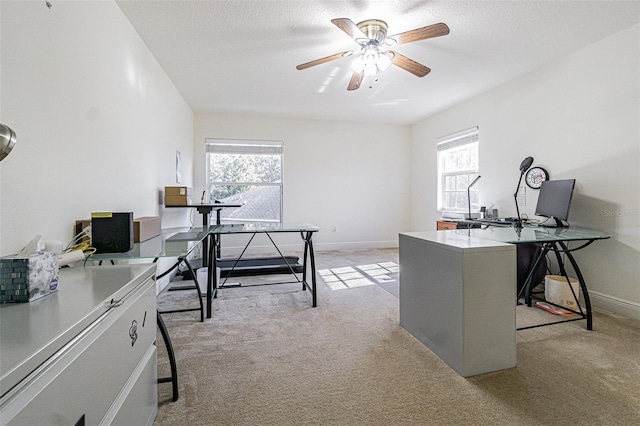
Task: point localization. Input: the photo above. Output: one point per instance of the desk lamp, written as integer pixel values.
(7, 140)
(524, 166)
(469, 195)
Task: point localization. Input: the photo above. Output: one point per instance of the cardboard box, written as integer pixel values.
(145, 228)
(170, 200)
(177, 195)
(26, 278)
(177, 191)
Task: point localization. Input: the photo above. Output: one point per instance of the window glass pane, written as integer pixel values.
(475, 200)
(460, 158)
(245, 168)
(449, 183)
(457, 167)
(461, 200)
(260, 203)
(450, 200)
(462, 181)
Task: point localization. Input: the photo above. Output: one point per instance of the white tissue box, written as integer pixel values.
(24, 278)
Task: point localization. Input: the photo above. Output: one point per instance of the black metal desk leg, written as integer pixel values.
(205, 244)
(172, 359)
(218, 245)
(313, 271)
(212, 282)
(540, 253)
(583, 285)
(197, 284)
(304, 261)
(308, 249)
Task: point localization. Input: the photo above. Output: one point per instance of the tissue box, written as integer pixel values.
(24, 278)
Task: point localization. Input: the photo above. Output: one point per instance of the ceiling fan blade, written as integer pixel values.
(410, 65)
(430, 31)
(347, 25)
(356, 80)
(325, 59)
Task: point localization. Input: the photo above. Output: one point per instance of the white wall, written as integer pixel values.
(579, 117)
(98, 121)
(352, 176)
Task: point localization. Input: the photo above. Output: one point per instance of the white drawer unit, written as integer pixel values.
(85, 355)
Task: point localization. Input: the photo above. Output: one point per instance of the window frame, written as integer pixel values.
(454, 141)
(245, 147)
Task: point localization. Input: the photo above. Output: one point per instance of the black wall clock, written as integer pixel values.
(535, 177)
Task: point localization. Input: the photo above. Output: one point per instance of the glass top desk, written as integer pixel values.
(546, 240)
(171, 243)
(306, 231)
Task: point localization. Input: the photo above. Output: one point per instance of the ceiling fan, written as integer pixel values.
(371, 35)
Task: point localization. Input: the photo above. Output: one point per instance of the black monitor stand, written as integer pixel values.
(558, 224)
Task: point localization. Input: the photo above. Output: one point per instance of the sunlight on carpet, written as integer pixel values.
(359, 276)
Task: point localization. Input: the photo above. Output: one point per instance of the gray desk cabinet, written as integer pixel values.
(457, 297)
(83, 355)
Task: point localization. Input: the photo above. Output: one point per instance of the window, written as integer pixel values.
(457, 168)
(249, 173)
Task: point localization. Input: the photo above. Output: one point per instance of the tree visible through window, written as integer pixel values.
(457, 167)
(249, 173)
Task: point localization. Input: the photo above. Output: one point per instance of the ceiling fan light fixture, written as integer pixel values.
(384, 62)
(370, 55)
(358, 64)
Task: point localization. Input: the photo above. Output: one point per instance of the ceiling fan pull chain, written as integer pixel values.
(372, 79)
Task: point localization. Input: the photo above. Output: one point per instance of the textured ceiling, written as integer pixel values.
(240, 56)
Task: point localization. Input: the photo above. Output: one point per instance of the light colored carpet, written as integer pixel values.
(268, 358)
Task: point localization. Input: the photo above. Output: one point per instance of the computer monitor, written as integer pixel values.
(554, 200)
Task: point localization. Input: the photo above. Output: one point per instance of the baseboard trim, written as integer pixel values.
(356, 245)
(615, 304)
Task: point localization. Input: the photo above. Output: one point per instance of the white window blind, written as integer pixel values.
(457, 167)
(244, 146)
(458, 139)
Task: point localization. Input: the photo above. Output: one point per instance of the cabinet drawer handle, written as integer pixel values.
(133, 332)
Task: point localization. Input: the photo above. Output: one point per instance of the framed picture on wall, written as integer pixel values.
(178, 167)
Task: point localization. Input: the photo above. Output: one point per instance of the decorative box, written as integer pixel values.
(24, 278)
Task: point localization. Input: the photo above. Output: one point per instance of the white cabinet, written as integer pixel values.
(85, 355)
(457, 296)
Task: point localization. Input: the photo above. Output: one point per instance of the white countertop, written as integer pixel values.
(456, 240)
